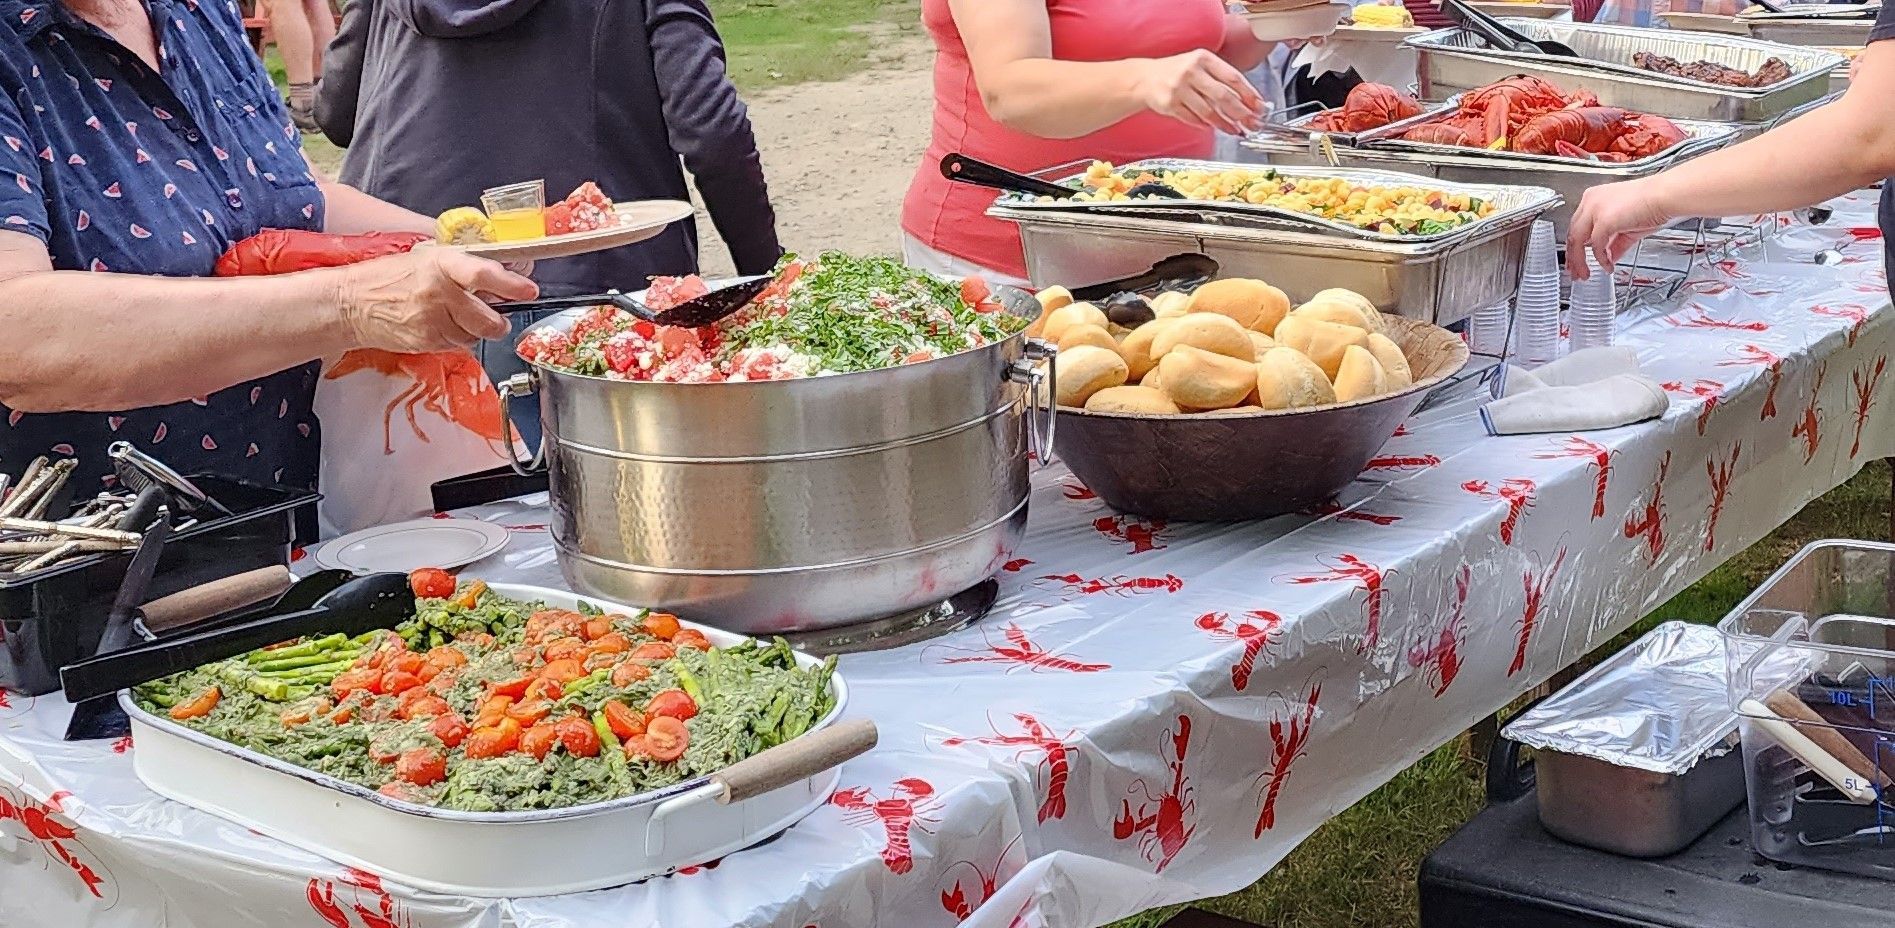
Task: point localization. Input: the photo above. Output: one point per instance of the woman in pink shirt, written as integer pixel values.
(1027, 84)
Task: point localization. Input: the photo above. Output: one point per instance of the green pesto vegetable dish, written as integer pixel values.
(484, 703)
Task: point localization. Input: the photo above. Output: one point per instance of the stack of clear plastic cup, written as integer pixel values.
(1595, 302)
(1536, 306)
(1487, 329)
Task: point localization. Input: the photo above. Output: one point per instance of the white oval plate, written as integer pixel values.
(1276, 23)
(406, 546)
(638, 221)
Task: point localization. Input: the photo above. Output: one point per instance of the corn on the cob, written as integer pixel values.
(463, 225)
(1386, 17)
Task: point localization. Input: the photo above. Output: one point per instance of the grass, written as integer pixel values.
(774, 43)
(1358, 871)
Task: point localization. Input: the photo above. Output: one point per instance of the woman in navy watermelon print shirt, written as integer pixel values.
(140, 139)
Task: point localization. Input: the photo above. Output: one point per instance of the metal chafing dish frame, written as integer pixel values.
(1451, 61)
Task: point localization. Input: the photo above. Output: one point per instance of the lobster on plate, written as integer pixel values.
(1598, 133)
(1368, 106)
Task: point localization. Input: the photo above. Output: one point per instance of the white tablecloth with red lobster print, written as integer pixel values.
(1153, 713)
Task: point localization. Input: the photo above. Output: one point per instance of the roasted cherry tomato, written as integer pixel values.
(579, 737)
(408, 662)
(449, 728)
(431, 583)
(502, 738)
(628, 673)
(661, 625)
(396, 682)
(636, 748)
(198, 706)
(654, 651)
(427, 707)
(677, 704)
(444, 657)
(355, 681)
(470, 597)
(385, 748)
(540, 740)
(666, 738)
(563, 671)
(514, 688)
(563, 648)
(492, 711)
(973, 290)
(692, 638)
(625, 721)
(595, 629)
(395, 789)
(304, 713)
(530, 712)
(421, 766)
(481, 640)
(543, 688)
(343, 715)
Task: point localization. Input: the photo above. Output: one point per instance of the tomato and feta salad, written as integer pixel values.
(835, 314)
(485, 703)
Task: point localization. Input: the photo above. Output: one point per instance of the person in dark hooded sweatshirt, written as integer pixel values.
(437, 100)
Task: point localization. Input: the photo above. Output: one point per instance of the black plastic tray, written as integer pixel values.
(55, 617)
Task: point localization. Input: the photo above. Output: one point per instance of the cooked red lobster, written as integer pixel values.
(1601, 133)
(1368, 106)
(1527, 114)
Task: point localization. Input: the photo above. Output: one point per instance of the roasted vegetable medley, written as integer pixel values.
(1388, 210)
(485, 703)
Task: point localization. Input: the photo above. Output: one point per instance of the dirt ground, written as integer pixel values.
(839, 154)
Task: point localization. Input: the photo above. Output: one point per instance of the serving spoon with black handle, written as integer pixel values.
(958, 167)
(692, 313)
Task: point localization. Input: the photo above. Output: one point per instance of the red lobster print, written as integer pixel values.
(1352, 568)
(1696, 317)
(1518, 494)
(1402, 462)
(907, 809)
(1255, 638)
(1720, 473)
(1853, 313)
(58, 839)
(1055, 754)
(1016, 565)
(371, 903)
(1441, 658)
(1336, 509)
(1578, 447)
(1865, 381)
(1530, 614)
(1809, 426)
(1710, 391)
(956, 901)
(1117, 586)
(1161, 821)
(1020, 651)
(1141, 534)
(1876, 283)
(1771, 362)
(122, 745)
(1650, 523)
(1289, 738)
(1076, 491)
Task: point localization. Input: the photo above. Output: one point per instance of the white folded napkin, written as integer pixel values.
(1579, 367)
(1598, 388)
(1375, 62)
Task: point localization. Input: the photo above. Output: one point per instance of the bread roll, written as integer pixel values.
(1276, 305)
(1170, 304)
(1394, 363)
(1239, 298)
(1261, 343)
(1086, 370)
(1360, 377)
(1286, 379)
(1322, 342)
(1136, 348)
(1213, 332)
(1065, 317)
(1076, 335)
(1131, 399)
(1338, 313)
(1053, 298)
(1151, 378)
(1199, 379)
(1348, 298)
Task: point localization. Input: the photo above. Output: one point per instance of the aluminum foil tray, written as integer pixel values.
(1702, 136)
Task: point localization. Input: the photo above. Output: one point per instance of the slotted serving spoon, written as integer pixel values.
(1500, 36)
(961, 168)
(690, 314)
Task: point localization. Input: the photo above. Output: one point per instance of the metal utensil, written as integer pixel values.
(137, 470)
(1178, 271)
(959, 167)
(363, 604)
(1500, 36)
(690, 314)
(101, 717)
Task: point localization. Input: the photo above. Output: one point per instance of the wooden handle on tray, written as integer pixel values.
(216, 598)
(795, 760)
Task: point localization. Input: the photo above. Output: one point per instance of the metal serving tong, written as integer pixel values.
(1179, 272)
(690, 314)
(1500, 36)
(961, 168)
(360, 605)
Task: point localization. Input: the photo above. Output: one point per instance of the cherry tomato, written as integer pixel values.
(543, 688)
(427, 672)
(395, 789)
(636, 748)
(343, 715)
(477, 639)
(199, 706)
(431, 583)
(579, 737)
(384, 748)
(595, 629)
(973, 290)
(421, 766)
(492, 711)
(449, 728)
(661, 625)
(654, 651)
(427, 707)
(629, 673)
(692, 638)
(445, 656)
(611, 643)
(514, 688)
(305, 713)
(349, 682)
(495, 741)
(625, 721)
(563, 671)
(396, 682)
(677, 704)
(408, 662)
(563, 648)
(666, 738)
(530, 712)
(559, 218)
(540, 740)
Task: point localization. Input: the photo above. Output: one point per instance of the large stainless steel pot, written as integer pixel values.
(794, 505)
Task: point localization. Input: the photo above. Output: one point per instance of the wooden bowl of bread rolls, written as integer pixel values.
(1229, 403)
